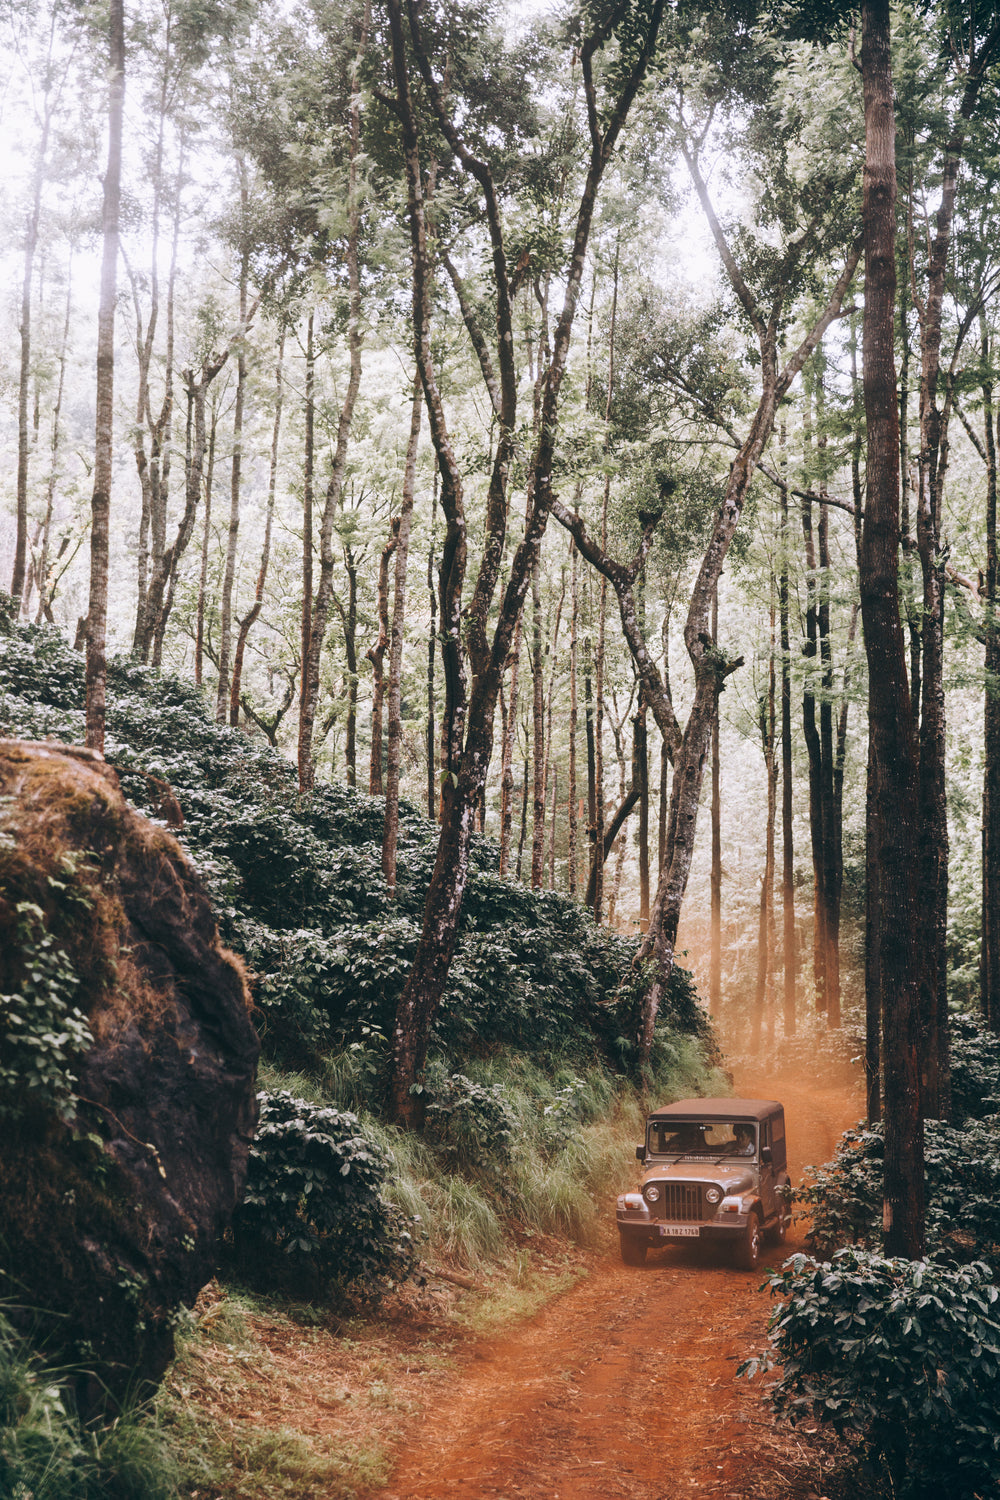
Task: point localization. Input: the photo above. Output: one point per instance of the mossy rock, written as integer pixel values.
(125, 1154)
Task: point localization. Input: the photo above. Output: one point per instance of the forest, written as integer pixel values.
(510, 492)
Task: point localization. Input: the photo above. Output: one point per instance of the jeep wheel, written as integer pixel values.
(780, 1231)
(633, 1249)
(749, 1251)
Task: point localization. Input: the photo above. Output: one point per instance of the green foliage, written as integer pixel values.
(904, 1355)
(962, 1184)
(975, 1068)
(41, 1030)
(314, 1204)
(298, 890)
(47, 1454)
(471, 1122)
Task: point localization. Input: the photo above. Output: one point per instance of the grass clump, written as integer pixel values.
(47, 1453)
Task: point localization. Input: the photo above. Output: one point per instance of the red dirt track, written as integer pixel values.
(626, 1385)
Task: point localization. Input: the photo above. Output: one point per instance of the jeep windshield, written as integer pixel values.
(700, 1138)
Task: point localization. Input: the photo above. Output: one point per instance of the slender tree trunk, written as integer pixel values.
(715, 882)
(641, 760)
(253, 613)
(236, 472)
(349, 620)
(790, 947)
(308, 480)
(97, 615)
(316, 632)
(395, 735)
(572, 824)
(814, 746)
(538, 736)
(24, 379)
(765, 929)
(989, 973)
(432, 787)
(376, 655)
(524, 815)
(46, 586)
(831, 832)
(206, 532)
(588, 707)
(892, 760)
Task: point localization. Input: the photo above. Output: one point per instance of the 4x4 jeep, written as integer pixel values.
(714, 1170)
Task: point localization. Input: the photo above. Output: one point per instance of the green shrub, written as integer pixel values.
(975, 1067)
(41, 1030)
(904, 1355)
(962, 1184)
(472, 1123)
(314, 1206)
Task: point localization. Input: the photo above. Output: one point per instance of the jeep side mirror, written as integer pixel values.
(640, 1153)
(766, 1155)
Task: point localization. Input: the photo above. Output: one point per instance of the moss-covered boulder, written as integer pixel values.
(127, 1060)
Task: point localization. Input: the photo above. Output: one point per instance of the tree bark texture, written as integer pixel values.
(253, 613)
(895, 967)
(97, 614)
(394, 747)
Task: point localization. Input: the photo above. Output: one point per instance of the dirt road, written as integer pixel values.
(626, 1385)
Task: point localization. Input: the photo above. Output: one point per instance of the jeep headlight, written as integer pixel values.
(652, 1193)
(712, 1195)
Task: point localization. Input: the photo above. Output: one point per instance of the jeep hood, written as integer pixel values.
(732, 1176)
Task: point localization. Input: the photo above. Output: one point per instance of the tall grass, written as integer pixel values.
(573, 1150)
(46, 1453)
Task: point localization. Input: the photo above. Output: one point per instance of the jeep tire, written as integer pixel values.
(634, 1248)
(748, 1254)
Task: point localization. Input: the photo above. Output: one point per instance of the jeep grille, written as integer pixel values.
(680, 1201)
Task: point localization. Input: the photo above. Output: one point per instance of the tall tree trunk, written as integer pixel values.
(715, 880)
(24, 378)
(314, 634)
(46, 586)
(553, 650)
(206, 530)
(507, 754)
(789, 944)
(602, 612)
(97, 614)
(588, 714)
(349, 620)
(236, 471)
(814, 746)
(432, 786)
(538, 736)
(641, 758)
(250, 618)
(395, 736)
(308, 481)
(831, 831)
(763, 989)
(573, 822)
(989, 972)
(892, 758)
(376, 655)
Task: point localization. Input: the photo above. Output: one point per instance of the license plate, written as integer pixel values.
(680, 1231)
